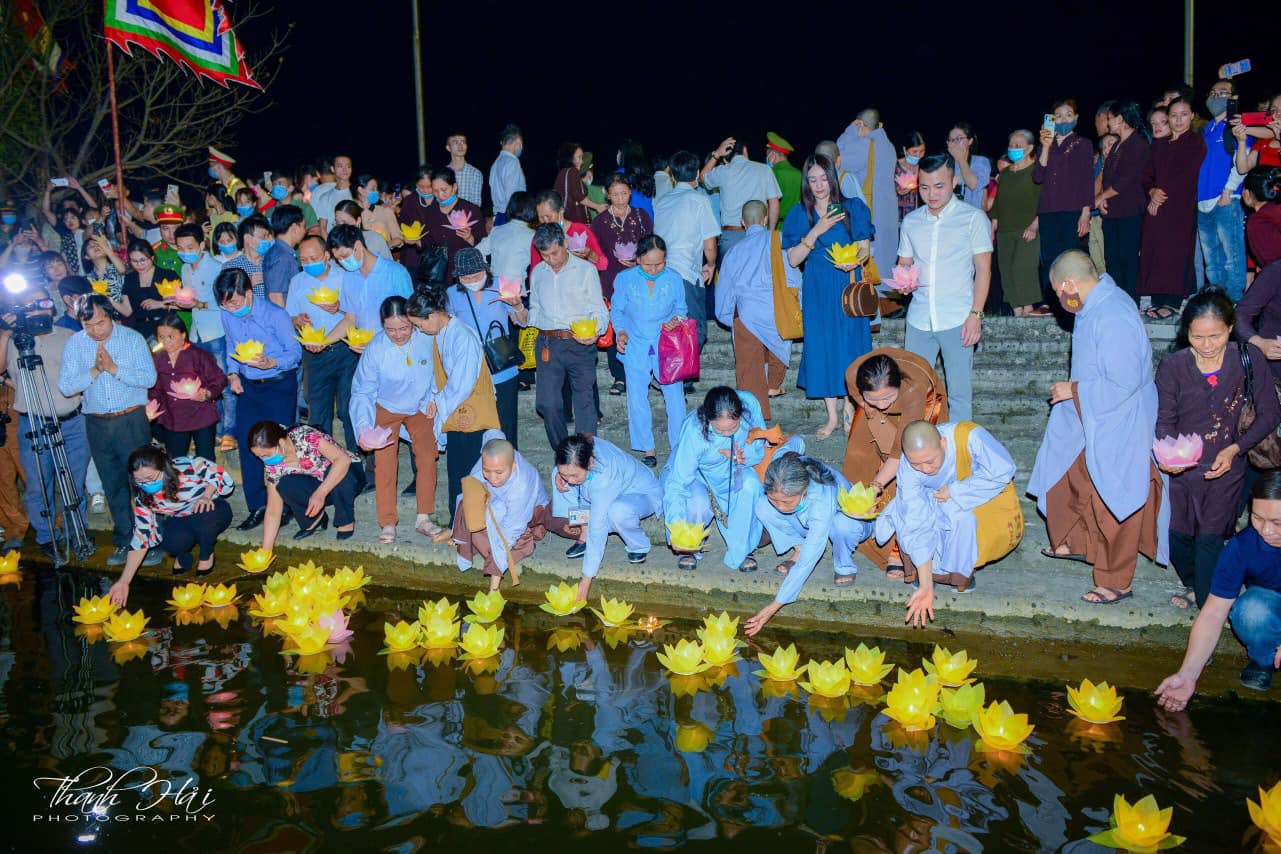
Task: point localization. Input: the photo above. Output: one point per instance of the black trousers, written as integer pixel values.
(178, 442)
(327, 378)
(1058, 235)
(565, 359)
(181, 533)
(463, 450)
(1121, 248)
(506, 394)
(1194, 558)
(262, 400)
(296, 491)
(111, 441)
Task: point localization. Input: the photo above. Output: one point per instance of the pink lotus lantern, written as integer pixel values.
(625, 251)
(905, 180)
(1178, 453)
(576, 242)
(905, 279)
(186, 389)
(373, 438)
(337, 625)
(459, 219)
(153, 410)
(184, 296)
(508, 288)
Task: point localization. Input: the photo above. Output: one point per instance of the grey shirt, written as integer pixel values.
(49, 348)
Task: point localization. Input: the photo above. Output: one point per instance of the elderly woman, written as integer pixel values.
(712, 459)
(822, 219)
(306, 471)
(392, 389)
(1065, 171)
(1200, 391)
(891, 388)
(463, 397)
(185, 417)
(799, 511)
(467, 227)
(619, 230)
(1168, 241)
(648, 299)
(142, 302)
(1015, 225)
(180, 504)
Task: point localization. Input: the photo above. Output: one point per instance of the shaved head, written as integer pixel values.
(497, 462)
(1075, 265)
(499, 449)
(921, 436)
(754, 213)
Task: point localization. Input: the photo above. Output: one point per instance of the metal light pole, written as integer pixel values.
(1189, 26)
(418, 85)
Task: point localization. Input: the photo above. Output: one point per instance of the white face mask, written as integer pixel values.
(474, 286)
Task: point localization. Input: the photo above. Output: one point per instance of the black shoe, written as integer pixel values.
(205, 573)
(153, 557)
(412, 489)
(180, 570)
(637, 557)
(689, 386)
(576, 550)
(253, 520)
(286, 516)
(650, 460)
(345, 535)
(46, 549)
(1257, 677)
(322, 525)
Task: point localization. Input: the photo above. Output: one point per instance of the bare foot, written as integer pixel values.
(494, 581)
(827, 430)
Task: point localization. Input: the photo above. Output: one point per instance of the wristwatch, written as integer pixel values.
(976, 313)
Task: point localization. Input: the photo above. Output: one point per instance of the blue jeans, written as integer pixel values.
(227, 403)
(76, 441)
(1222, 232)
(1256, 619)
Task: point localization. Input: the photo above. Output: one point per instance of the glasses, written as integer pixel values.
(1221, 93)
(957, 138)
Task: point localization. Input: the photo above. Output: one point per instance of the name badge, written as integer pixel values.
(579, 516)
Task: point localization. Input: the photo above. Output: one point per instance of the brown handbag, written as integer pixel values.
(1266, 454)
(859, 299)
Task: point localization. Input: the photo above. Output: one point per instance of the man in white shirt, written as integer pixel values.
(741, 180)
(684, 219)
(506, 176)
(564, 288)
(951, 242)
(330, 196)
(469, 180)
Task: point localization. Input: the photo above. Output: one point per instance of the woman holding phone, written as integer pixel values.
(1065, 171)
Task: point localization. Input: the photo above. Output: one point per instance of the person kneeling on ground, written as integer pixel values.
(955, 510)
(306, 471)
(603, 490)
(503, 501)
(799, 509)
(1251, 559)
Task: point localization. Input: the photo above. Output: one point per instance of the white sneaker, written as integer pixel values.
(98, 503)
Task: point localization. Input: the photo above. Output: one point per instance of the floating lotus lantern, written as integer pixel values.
(297, 616)
(309, 334)
(411, 231)
(270, 604)
(166, 289)
(373, 438)
(906, 181)
(346, 579)
(683, 659)
(613, 612)
(866, 666)
(442, 608)
(686, 536)
(959, 705)
(358, 338)
(277, 582)
(781, 665)
(576, 242)
(722, 625)
(1266, 814)
(186, 389)
(220, 595)
(184, 296)
(460, 219)
(153, 410)
(310, 640)
(439, 632)
(256, 560)
(858, 502)
(9, 563)
(1179, 452)
(720, 650)
(485, 607)
(1096, 704)
(1001, 729)
(481, 641)
(851, 784)
(1141, 827)
(508, 288)
(625, 251)
(323, 296)
(248, 351)
(100, 287)
(335, 622)
(93, 610)
(693, 737)
(912, 699)
(124, 626)
(187, 596)
(583, 327)
(562, 600)
(843, 255)
(905, 279)
(827, 678)
(402, 636)
(951, 670)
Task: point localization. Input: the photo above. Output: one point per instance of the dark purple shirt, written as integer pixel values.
(412, 210)
(610, 232)
(1067, 178)
(439, 233)
(1259, 311)
(182, 415)
(1123, 172)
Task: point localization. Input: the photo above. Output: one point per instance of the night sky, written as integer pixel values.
(685, 75)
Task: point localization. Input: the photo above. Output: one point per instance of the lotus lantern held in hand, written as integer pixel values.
(323, 296)
(309, 334)
(858, 502)
(186, 388)
(358, 337)
(256, 560)
(248, 351)
(576, 242)
(1178, 452)
(686, 536)
(460, 219)
(905, 279)
(373, 438)
(411, 231)
(843, 255)
(625, 251)
(584, 327)
(508, 288)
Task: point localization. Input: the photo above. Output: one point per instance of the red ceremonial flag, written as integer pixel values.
(48, 56)
(193, 33)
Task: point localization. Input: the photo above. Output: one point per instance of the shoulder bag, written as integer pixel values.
(859, 299)
(1266, 454)
(501, 352)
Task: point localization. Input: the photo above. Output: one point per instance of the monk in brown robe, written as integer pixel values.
(891, 388)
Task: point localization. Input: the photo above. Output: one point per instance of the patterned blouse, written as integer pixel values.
(909, 201)
(194, 475)
(311, 461)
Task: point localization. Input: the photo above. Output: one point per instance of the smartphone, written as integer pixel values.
(1048, 121)
(1232, 69)
(60, 182)
(104, 184)
(1233, 110)
(171, 192)
(835, 210)
(396, 190)
(266, 179)
(1256, 120)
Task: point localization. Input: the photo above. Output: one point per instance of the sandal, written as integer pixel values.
(894, 571)
(1100, 599)
(785, 567)
(427, 527)
(844, 580)
(748, 565)
(1051, 553)
(619, 387)
(777, 392)
(689, 563)
(1184, 600)
(387, 535)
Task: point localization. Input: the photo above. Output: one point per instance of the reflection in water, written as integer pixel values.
(571, 732)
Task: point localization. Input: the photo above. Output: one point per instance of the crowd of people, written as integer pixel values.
(263, 319)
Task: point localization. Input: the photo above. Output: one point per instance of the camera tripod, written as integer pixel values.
(46, 435)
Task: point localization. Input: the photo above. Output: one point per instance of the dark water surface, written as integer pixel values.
(577, 742)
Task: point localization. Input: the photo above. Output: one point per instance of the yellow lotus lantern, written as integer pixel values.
(220, 595)
(851, 784)
(911, 701)
(688, 686)
(684, 659)
(481, 641)
(613, 612)
(100, 287)
(584, 327)
(960, 705)
(270, 604)
(721, 624)
(1266, 814)
(1001, 729)
(843, 254)
(827, 679)
(248, 351)
(951, 670)
(441, 609)
(686, 536)
(187, 596)
(308, 641)
(693, 737)
(346, 579)
(166, 289)
(297, 616)
(256, 560)
(858, 502)
(1096, 704)
(439, 632)
(1141, 827)
(720, 650)
(781, 666)
(867, 666)
(124, 626)
(485, 607)
(9, 563)
(323, 296)
(303, 570)
(309, 334)
(411, 231)
(93, 610)
(358, 337)
(562, 600)
(277, 582)
(402, 636)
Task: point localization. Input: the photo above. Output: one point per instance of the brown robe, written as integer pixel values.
(875, 435)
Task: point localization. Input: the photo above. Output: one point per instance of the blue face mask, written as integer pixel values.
(273, 460)
(350, 263)
(1014, 155)
(242, 311)
(314, 270)
(188, 257)
(911, 161)
(449, 201)
(227, 248)
(245, 210)
(372, 197)
(311, 188)
(8, 219)
(1064, 128)
(647, 277)
(152, 487)
(278, 193)
(425, 198)
(263, 246)
(800, 506)
(518, 152)
(213, 173)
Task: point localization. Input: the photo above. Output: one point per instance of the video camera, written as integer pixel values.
(32, 318)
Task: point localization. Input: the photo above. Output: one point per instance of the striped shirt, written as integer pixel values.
(194, 475)
(108, 393)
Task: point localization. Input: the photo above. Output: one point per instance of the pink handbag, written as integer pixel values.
(678, 352)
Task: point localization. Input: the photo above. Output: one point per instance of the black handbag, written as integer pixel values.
(1267, 454)
(432, 265)
(501, 352)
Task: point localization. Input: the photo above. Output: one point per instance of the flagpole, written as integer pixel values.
(418, 85)
(115, 141)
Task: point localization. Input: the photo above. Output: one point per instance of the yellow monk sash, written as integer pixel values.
(480, 410)
(1000, 522)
